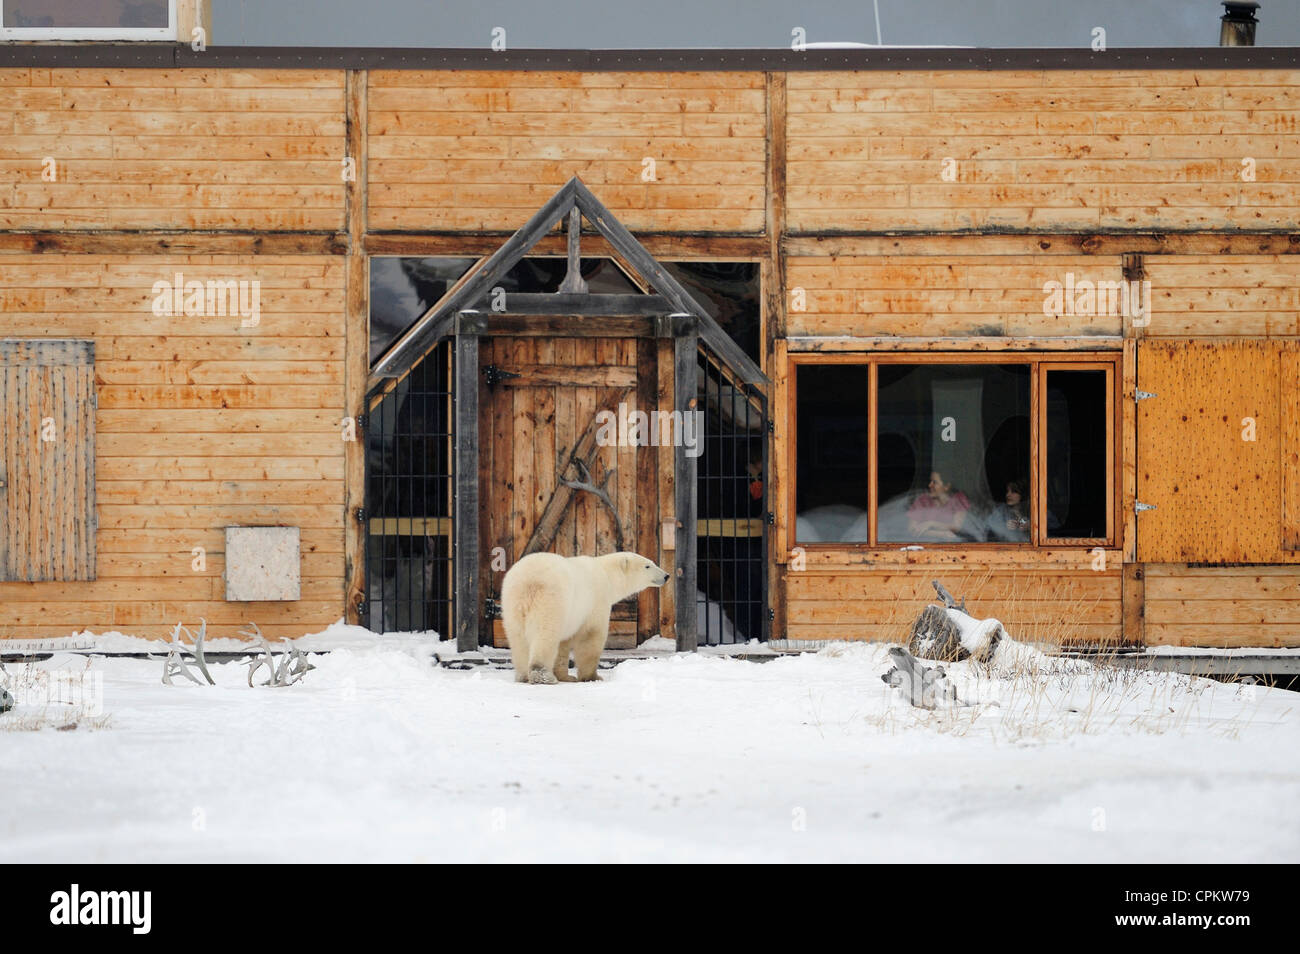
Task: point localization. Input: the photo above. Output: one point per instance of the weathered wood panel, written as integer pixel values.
(173, 149)
(1208, 451)
(47, 460)
(1104, 150)
(1223, 606)
(967, 295)
(203, 423)
(484, 150)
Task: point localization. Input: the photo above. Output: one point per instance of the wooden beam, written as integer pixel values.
(113, 242)
(663, 246)
(1053, 243)
(776, 189)
(1133, 598)
(434, 324)
(573, 283)
(664, 283)
(813, 344)
(356, 350)
(685, 349)
(527, 303)
(558, 326)
(465, 530)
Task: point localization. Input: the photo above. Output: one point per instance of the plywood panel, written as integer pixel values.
(1216, 492)
(483, 150)
(1289, 395)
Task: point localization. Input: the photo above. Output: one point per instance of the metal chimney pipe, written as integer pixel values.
(1237, 27)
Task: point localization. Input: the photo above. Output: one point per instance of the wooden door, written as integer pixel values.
(550, 480)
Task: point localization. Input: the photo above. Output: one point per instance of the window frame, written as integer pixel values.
(170, 32)
(1039, 363)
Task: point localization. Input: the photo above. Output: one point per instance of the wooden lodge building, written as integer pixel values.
(1025, 321)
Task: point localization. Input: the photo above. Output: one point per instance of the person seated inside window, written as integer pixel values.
(1009, 521)
(938, 514)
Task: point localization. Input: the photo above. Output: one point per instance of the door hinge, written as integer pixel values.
(1143, 395)
(771, 616)
(491, 608)
(1139, 506)
(494, 375)
(361, 515)
(362, 420)
(771, 427)
(771, 519)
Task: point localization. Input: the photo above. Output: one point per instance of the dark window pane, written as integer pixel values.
(1077, 405)
(729, 292)
(536, 274)
(403, 289)
(953, 453)
(831, 483)
(137, 14)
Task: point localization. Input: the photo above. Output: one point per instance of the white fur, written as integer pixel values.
(553, 605)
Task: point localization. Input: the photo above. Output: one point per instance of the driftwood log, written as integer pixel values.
(948, 633)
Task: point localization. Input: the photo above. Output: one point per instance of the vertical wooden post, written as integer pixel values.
(356, 348)
(685, 347)
(775, 331)
(469, 609)
(1133, 603)
(191, 14)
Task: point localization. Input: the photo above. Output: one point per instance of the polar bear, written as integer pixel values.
(553, 605)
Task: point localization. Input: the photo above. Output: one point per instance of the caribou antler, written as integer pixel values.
(584, 483)
(293, 664)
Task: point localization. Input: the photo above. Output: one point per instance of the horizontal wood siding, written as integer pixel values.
(1094, 150)
(1222, 606)
(954, 295)
(1247, 295)
(201, 424)
(171, 149)
(483, 150)
(1036, 603)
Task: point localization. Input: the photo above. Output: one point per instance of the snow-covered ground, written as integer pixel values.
(379, 755)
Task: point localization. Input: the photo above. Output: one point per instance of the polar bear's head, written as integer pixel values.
(632, 573)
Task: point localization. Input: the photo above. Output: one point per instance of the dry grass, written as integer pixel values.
(59, 699)
(1029, 692)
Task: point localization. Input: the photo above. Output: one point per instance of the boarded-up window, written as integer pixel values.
(1208, 451)
(1290, 394)
(47, 460)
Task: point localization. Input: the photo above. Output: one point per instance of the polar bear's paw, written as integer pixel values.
(540, 676)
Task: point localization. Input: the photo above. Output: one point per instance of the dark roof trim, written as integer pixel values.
(172, 55)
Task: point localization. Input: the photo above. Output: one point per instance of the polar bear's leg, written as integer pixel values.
(543, 648)
(587, 647)
(562, 662)
(517, 640)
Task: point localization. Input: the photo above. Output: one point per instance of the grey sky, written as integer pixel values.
(595, 24)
